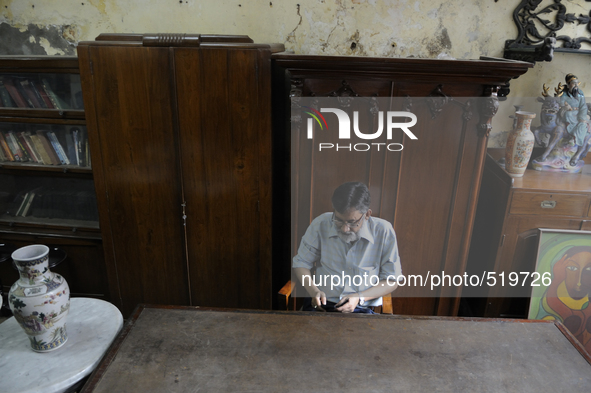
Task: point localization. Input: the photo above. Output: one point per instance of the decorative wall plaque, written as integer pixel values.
(538, 31)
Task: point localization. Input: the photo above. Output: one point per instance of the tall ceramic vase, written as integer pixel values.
(520, 144)
(40, 299)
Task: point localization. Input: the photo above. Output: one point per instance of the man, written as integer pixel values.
(355, 255)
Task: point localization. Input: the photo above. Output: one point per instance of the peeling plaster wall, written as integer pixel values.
(37, 40)
(399, 28)
(394, 28)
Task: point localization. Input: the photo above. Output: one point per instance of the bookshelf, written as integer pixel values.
(47, 192)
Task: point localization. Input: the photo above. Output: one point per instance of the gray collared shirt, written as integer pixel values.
(342, 268)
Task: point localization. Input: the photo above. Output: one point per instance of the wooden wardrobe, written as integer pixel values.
(429, 189)
(182, 150)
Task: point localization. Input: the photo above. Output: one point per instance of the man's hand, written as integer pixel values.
(319, 300)
(347, 304)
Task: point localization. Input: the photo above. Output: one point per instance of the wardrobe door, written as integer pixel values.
(134, 151)
(427, 203)
(224, 109)
(436, 193)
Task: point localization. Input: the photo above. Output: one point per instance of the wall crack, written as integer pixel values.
(291, 36)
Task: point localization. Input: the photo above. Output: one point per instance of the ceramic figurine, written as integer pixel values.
(40, 299)
(564, 118)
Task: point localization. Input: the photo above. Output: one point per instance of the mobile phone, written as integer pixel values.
(342, 304)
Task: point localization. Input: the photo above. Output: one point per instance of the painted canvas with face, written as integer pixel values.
(565, 256)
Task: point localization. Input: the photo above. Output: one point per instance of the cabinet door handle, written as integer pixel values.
(548, 204)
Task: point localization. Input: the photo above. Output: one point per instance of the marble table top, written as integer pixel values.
(92, 325)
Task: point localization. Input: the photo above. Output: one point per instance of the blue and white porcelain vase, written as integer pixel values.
(40, 299)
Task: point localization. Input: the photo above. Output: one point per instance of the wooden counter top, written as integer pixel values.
(543, 180)
(185, 349)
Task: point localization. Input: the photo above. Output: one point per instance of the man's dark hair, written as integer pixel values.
(351, 195)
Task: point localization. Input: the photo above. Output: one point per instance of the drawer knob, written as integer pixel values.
(548, 204)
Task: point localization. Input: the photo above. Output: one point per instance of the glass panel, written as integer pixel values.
(41, 91)
(48, 200)
(44, 144)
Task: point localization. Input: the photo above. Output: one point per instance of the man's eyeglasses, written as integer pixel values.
(351, 224)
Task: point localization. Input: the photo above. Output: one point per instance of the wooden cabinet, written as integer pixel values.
(180, 127)
(429, 189)
(46, 182)
(510, 211)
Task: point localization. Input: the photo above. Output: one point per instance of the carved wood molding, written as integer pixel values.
(345, 94)
(295, 95)
(435, 102)
(175, 39)
(165, 39)
(487, 109)
(537, 35)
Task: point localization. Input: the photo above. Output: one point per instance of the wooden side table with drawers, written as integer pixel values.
(510, 211)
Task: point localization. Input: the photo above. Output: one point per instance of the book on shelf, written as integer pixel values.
(80, 137)
(28, 144)
(22, 147)
(53, 158)
(27, 135)
(15, 148)
(22, 212)
(6, 148)
(71, 148)
(31, 196)
(67, 143)
(61, 146)
(54, 203)
(55, 99)
(38, 86)
(5, 99)
(14, 92)
(76, 138)
(11, 146)
(57, 146)
(45, 159)
(23, 93)
(30, 93)
(21, 201)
